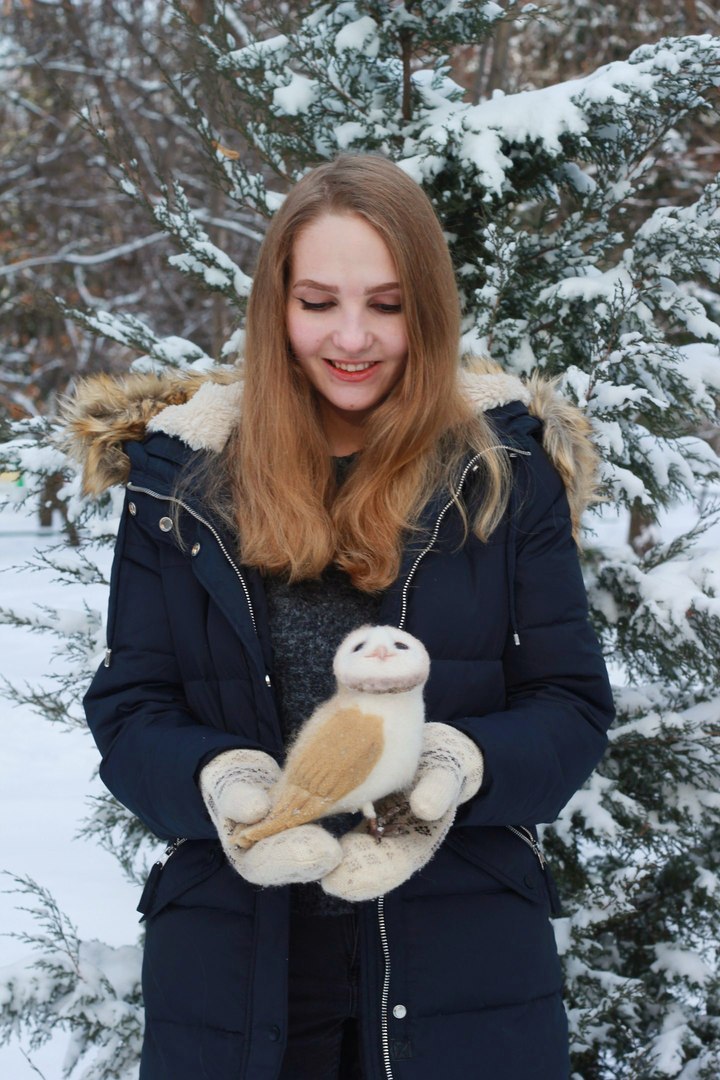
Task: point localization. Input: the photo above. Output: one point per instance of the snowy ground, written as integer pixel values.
(47, 775)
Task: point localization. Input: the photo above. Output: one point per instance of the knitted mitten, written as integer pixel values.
(235, 786)
(449, 773)
(305, 853)
(369, 869)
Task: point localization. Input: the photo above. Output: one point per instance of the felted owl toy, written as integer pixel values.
(362, 744)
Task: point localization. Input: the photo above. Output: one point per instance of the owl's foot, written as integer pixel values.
(376, 828)
(385, 824)
(369, 869)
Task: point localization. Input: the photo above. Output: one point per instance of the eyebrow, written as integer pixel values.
(387, 286)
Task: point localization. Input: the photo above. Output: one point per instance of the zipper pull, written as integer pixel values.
(538, 851)
(148, 894)
(153, 879)
(170, 850)
(534, 845)
(527, 837)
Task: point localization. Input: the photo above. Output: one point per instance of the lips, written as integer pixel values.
(349, 372)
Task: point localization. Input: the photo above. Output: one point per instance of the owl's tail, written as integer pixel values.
(295, 806)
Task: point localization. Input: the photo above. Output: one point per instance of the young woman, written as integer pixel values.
(349, 474)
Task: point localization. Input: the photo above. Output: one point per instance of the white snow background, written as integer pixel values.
(47, 774)
(46, 777)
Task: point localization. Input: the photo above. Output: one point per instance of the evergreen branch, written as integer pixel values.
(32, 1064)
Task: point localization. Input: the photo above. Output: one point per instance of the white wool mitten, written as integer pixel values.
(235, 786)
(450, 772)
(305, 853)
(370, 869)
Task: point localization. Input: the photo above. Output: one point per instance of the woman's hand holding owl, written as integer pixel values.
(449, 773)
(236, 786)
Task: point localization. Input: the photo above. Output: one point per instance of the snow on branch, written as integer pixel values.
(201, 258)
(89, 989)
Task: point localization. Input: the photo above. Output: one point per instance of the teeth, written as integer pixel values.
(352, 367)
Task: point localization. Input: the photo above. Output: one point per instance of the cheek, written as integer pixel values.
(304, 338)
(399, 344)
(400, 351)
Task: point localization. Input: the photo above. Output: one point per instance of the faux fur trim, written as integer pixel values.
(490, 389)
(206, 420)
(202, 411)
(568, 441)
(106, 412)
(567, 434)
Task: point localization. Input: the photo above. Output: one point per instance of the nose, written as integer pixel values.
(380, 652)
(351, 336)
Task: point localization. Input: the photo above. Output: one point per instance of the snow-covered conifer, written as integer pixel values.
(560, 272)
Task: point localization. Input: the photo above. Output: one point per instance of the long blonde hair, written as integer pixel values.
(290, 515)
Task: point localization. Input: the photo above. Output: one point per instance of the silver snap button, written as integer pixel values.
(268, 681)
(132, 508)
(399, 1012)
(165, 524)
(194, 549)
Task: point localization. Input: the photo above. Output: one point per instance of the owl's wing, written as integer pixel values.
(341, 754)
(322, 768)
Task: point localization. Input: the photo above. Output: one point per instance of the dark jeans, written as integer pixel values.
(323, 1030)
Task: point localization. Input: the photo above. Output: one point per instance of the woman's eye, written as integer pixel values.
(388, 309)
(322, 306)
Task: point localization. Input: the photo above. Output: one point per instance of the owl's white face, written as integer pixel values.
(380, 660)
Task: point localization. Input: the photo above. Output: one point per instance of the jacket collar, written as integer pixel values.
(201, 411)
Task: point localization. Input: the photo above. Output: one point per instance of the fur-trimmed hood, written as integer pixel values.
(202, 409)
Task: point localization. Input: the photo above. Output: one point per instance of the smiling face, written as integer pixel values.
(345, 322)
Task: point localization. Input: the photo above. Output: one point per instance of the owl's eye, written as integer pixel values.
(401, 645)
(358, 647)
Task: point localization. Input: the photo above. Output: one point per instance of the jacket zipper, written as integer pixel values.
(151, 883)
(471, 466)
(173, 847)
(385, 989)
(170, 850)
(221, 545)
(527, 837)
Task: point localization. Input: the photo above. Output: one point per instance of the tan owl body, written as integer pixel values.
(362, 744)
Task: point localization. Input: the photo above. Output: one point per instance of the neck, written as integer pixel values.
(345, 432)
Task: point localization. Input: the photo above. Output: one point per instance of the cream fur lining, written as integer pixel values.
(206, 420)
(201, 410)
(494, 389)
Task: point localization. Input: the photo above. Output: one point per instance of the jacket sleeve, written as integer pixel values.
(152, 745)
(545, 744)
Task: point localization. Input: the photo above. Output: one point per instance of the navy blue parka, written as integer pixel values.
(460, 976)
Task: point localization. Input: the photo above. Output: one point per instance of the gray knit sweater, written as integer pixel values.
(308, 620)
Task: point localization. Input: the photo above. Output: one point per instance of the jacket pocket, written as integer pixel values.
(504, 857)
(191, 863)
